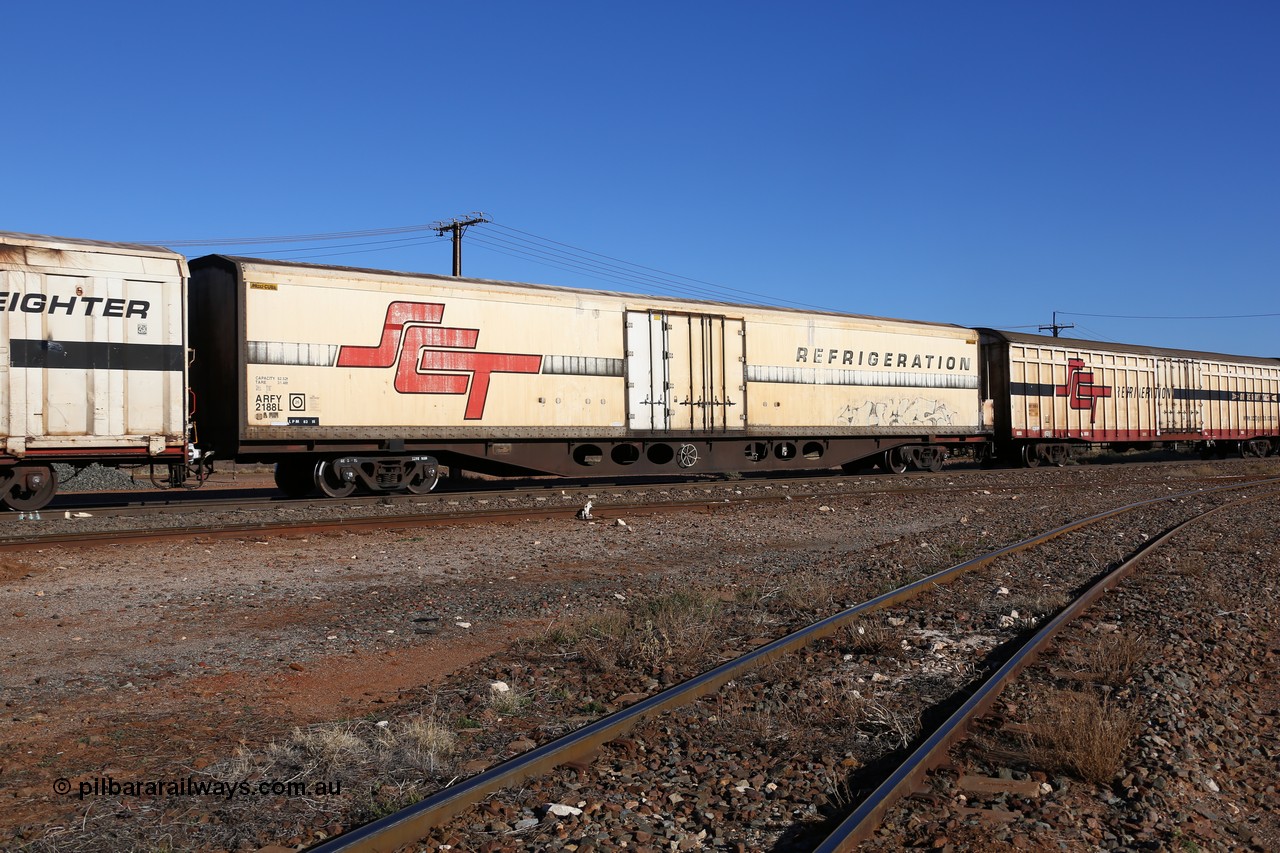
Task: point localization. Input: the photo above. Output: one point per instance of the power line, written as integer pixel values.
(1156, 317)
(672, 278)
(402, 243)
(583, 266)
(602, 272)
(291, 238)
(548, 261)
(516, 243)
(1098, 336)
(419, 242)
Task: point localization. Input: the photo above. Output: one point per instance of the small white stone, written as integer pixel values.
(499, 687)
(382, 724)
(463, 624)
(562, 810)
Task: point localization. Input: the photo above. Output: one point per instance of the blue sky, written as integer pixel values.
(976, 163)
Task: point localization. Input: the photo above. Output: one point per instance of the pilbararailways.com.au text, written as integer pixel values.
(192, 786)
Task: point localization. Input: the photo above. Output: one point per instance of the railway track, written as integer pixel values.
(262, 512)
(579, 748)
(259, 490)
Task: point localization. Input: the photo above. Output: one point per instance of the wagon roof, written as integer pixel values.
(1105, 346)
(41, 241)
(235, 259)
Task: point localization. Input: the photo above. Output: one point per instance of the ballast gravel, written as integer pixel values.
(189, 660)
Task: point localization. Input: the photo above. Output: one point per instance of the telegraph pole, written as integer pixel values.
(1056, 327)
(457, 225)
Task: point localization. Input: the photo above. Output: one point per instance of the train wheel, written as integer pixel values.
(1030, 456)
(329, 483)
(891, 461)
(935, 460)
(295, 478)
(423, 481)
(1256, 448)
(984, 455)
(30, 487)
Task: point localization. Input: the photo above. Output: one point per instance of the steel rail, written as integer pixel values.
(127, 503)
(383, 522)
(431, 503)
(909, 776)
(267, 495)
(413, 822)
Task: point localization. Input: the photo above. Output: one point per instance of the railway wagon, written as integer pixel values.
(353, 378)
(1056, 392)
(92, 359)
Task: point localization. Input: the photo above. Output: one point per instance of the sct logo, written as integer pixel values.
(1080, 391)
(435, 359)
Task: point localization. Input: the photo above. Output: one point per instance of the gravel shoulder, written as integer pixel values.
(160, 661)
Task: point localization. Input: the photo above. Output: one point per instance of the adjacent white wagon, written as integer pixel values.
(92, 359)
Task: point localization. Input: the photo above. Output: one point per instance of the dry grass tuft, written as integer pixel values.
(1080, 734)
(1117, 658)
(508, 702)
(677, 628)
(412, 748)
(1038, 604)
(873, 639)
(806, 592)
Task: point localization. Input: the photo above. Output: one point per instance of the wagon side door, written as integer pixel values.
(1178, 404)
(685, 372)
(648, 372)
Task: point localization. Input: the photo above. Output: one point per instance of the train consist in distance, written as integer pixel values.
(355, 379)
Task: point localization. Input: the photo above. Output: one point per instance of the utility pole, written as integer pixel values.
(1056, 327)
(457, 225)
